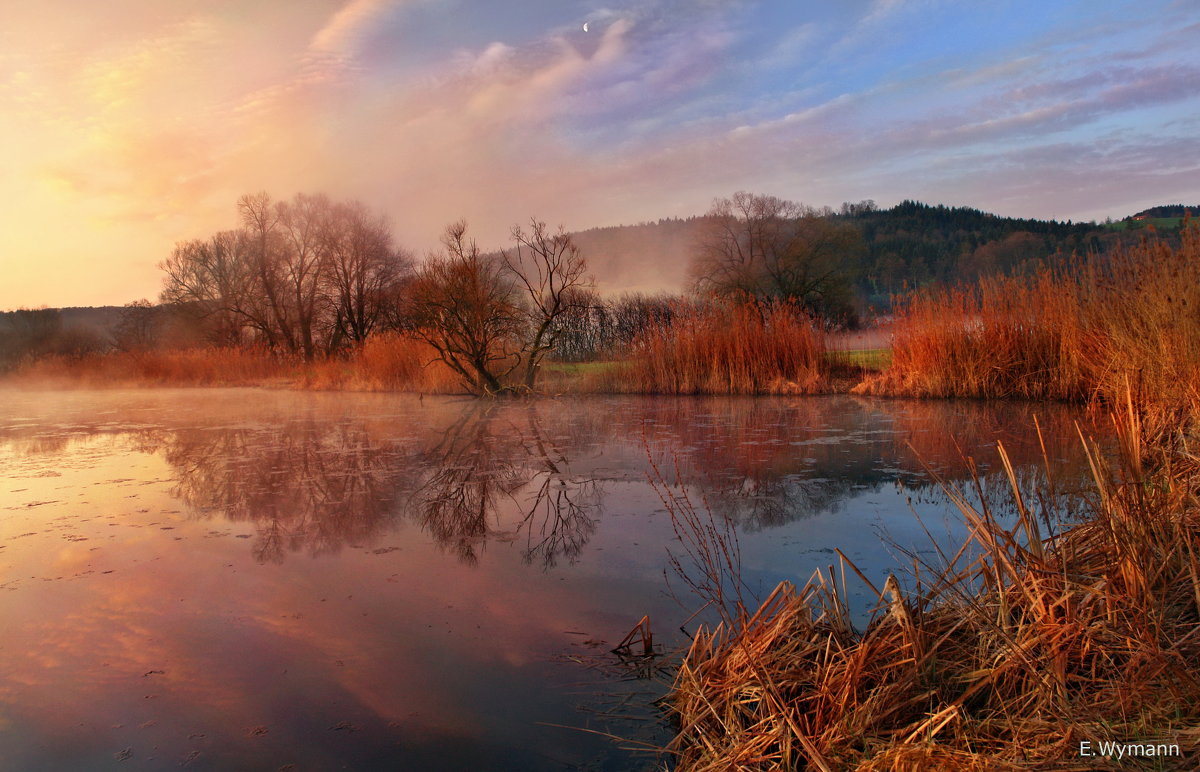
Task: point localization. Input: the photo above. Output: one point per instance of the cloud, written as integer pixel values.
(882, 9)
(345, 29)
(1067, 103)
(794, 119)
(795, 44)
(147, 127)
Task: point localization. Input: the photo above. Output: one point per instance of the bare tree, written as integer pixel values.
(138, 326)
(303, 256)
(585, 330)
(554, 276)
(306, 275)
(488, 316)
(766, 249)
(365, 268)
(211, 280)
(260, 222)
(464, 305)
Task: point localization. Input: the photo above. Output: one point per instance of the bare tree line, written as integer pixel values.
(306, 277)
(311, 277)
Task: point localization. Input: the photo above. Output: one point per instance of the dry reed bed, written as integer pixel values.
(1007, 657)
(725, 349)
(190, 367)
(386, 362)
(705, 349)
(1078, 334)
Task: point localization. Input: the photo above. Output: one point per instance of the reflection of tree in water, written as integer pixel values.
(771, 503)
(306, 485)
(504, 473)
(764, 463)
(38, 445)
(316, 485)
(495, 474)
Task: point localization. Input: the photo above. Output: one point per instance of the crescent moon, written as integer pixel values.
(585, 26)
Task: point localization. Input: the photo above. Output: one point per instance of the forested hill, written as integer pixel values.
(1168, 210)
(911, 244)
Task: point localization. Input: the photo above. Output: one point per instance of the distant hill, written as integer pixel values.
(911, 244)
(96, 321)
(42, 331)
(650, 257)
(1166, 210)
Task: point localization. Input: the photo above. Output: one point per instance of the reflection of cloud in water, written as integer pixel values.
(374, 634)
(203, 648)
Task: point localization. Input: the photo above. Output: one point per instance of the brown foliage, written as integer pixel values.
(465, 306)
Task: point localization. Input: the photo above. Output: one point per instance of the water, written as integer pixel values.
(251, 579)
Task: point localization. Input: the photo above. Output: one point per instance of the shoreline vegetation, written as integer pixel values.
(1036, 638)
(1040, 640)
(1081, 333)
(1027, 649)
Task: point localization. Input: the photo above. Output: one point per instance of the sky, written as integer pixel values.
(131, 125)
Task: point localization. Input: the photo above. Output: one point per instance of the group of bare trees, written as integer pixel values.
(492, 316)
(312, 277)
(307, 276)
(766, 249)
(607, 328)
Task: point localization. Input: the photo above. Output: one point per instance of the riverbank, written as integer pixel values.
(1029, 649)
(395, 364)
(1037, 645)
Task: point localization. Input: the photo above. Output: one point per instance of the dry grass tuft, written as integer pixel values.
(1005, 657)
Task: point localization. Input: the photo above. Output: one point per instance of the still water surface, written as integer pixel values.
(251, 579)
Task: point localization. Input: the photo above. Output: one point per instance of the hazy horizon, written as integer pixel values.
(129, 127)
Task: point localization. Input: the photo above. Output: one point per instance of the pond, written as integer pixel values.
(261, 579)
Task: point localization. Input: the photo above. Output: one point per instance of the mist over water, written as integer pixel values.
(247, 578)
